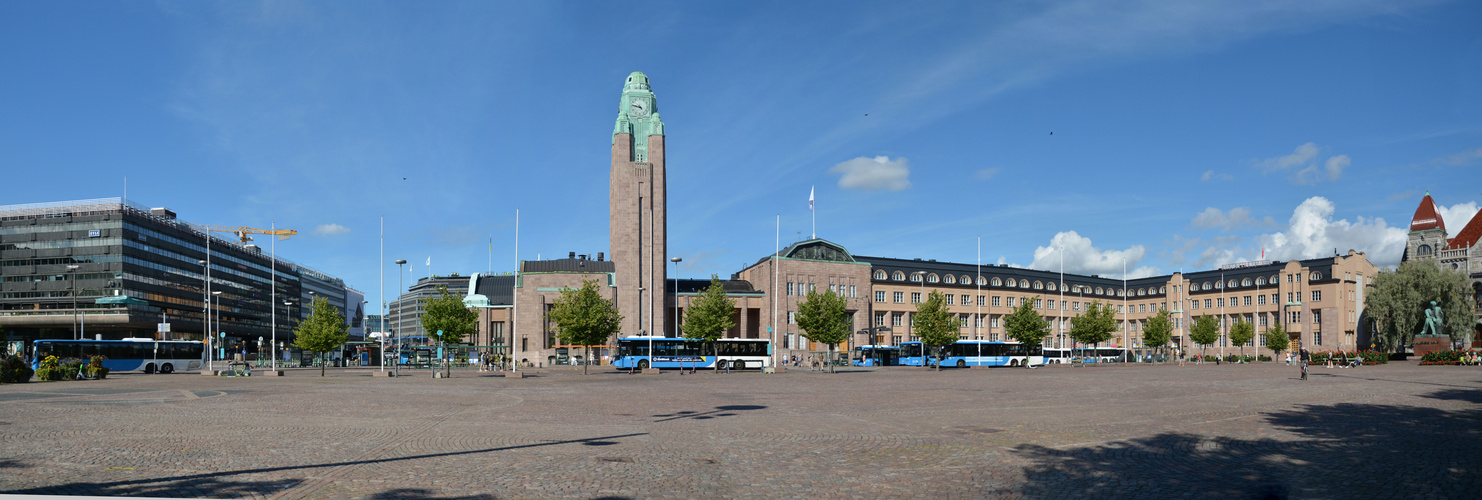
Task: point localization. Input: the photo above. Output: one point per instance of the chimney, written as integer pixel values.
(571, 256)
(599, 256)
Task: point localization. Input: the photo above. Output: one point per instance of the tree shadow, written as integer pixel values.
(418, 494)
(1344, 450)
(719, 411)
(218, 484)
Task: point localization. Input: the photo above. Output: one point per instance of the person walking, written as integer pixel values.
(1303, 360)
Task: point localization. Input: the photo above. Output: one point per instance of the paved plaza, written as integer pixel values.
(1139, 431)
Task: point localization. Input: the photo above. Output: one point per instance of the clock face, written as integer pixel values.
(638, 107)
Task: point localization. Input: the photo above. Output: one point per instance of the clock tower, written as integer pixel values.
(636, 210)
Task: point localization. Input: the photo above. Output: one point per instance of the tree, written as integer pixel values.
(1095, 325)
(1242, 333)
(1204, 332)
(1398, 299)
(823, 319)
(934, 325)
(1158, 331)
(1027, 327)
(583, 317)
(1277, 339)
(324, 330)
(709, 317)
(446, 319)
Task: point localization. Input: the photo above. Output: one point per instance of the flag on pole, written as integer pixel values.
(810, 197)
(1263, 253)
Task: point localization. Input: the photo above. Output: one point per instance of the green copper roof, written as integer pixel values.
(638, 114)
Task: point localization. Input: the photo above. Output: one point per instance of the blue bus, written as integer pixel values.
(967, 353)
(127, 355)
(669, 352)
(876, 355)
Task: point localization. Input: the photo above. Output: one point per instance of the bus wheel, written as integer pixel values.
(149, 368)
(1014, 362)
(167, 368)
(642, 364)
(720, 365)
(961, 363)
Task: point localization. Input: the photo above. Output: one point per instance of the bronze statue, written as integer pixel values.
(1433, 320)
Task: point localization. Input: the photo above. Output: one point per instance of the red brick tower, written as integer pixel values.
(636, 197)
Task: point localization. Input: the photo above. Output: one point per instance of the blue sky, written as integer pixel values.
(1185, 135)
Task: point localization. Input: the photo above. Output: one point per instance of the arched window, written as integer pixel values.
(1039, 286)
(1219, 285)
(900, 276)
(932, 278)
(880, 274)
(915, 278)
(1208, 286)
(1023, 283)
(1098, 291)
(982, 280)
(1121, 292)
(1231, 284)
(1260, 281)
(996, 282)
(1142, 292)
(949, 279)
(1273, 281)
(1316, 276)
(1423, 250)
(1163, 289)
(964, 279)
(1245, 282)
(1012, 283)
(1051, 286)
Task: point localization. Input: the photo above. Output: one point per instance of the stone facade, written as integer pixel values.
(637, 200)
(1429, 240)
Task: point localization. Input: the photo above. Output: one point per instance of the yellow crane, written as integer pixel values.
(242, 232)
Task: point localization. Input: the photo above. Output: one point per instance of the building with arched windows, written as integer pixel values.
(1429, 240)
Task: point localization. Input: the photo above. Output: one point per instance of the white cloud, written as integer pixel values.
(1210, 175)
(1408, 193)
(986, 174)
(1313, 233)
(1081, 257)
(875, 173)
(1462, 158)
(1457, 216)
(1300, 156)
(1304, 167)
(1237, 217)
(330, 230)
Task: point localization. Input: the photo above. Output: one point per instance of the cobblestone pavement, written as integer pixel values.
(1251, 431)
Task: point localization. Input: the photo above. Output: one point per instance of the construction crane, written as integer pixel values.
(242, 232)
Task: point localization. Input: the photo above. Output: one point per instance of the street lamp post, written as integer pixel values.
(396, 362)
(216, 298)
(73, 269)
(676, 261)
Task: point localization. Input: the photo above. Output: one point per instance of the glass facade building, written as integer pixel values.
(113, 268)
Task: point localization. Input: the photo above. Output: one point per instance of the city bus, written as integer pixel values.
(965, 353)
(876, 355)
(127, 355)
(669, 352)
(1086, 355)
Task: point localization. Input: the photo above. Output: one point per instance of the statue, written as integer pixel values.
(1433, 320)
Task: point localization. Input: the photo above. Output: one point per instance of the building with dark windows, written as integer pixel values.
(112, 268)
(404, 315)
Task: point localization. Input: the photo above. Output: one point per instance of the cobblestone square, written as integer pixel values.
(1137, 431)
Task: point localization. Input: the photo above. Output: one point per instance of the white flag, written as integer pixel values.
(810, 197)
(429, 260)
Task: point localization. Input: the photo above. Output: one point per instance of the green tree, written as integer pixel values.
(1398, 298)
(583, 317)
(824, 320)
(446, 319)
(1158, 331)
(1027, 327)
(1204, 332)
(934, 325)
(709, 317)
(325, 330)
(1242, 333)
(1277, 339)
(1095, 325)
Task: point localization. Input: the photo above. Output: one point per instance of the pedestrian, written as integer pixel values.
(1181, 358)
(1303, 359)
(1289, 358)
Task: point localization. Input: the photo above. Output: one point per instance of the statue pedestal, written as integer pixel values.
(1426, 344)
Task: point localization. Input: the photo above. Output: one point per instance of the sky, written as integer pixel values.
(1166, 135)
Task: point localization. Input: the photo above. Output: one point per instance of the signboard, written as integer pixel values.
(164, 328)
(94, 233)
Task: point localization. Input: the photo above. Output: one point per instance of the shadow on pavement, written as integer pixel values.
(1343, 451)
(216, 484)
(417, 493)
(719, 411)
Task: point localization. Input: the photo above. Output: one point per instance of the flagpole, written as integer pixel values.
(814, 212)
(514, 319)
(775, 276)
